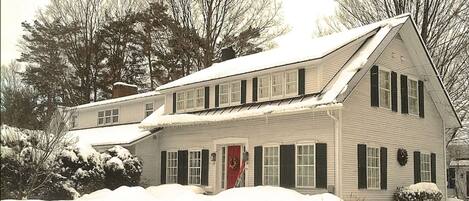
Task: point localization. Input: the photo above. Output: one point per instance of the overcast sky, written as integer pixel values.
(300, 15)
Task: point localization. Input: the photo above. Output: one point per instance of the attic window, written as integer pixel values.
(385, 89)
(413, 97)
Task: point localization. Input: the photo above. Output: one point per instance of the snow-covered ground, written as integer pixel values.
(176, 192)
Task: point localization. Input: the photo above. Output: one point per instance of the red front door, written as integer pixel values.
(233, 165)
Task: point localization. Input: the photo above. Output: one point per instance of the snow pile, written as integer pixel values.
(424, 187)
(419, 191)
(176, 192)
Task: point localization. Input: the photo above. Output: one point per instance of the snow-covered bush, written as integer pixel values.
(121, 168)
(420, 191)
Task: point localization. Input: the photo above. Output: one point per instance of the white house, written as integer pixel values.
(328, 114)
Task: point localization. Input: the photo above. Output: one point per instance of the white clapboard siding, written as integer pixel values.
(147, 151)
(384, 128)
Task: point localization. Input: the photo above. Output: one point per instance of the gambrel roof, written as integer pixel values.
(376, 37)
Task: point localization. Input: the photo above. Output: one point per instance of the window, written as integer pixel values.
(291, 82)
(425, 167)
(271, 166)
(264, 87)
(171, 167)
(180, 101)
(384, 89)
(190, 99)
(199, 97)
(305, 162)
(195, 167)
(148, 109)
(235, 92)
(74, 122)
(413, 97)
(108, 117)
(223, 94)
(277, 84)
(373, 169)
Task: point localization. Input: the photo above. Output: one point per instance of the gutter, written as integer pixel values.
(337, 149)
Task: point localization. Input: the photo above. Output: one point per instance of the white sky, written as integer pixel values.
(300, 15)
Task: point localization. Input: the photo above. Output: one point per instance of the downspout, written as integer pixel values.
(445, 161)
(337, 150)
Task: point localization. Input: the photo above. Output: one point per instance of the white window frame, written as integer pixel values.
(227, 94)
(383, 88)
(422, 165)
(281, 85)
(231, 92)
(168, 175)
(297, 165)
(200, 98)
(264, 165)
(377, 167)
(111, 116)
(268, 87)
(294, 93)
(189, 167)
(182, 101)
(409, 97)
(186, 99)
(146, 110)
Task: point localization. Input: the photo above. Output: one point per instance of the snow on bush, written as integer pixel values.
(121, 168)
(419, 191)
(453, 199)
(176, 192)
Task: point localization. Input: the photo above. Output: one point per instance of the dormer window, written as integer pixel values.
(190, 100)
(224, 94)
(199, 98)
(291, 83)
(264, 87)
(180, 101)
(235, 92)
(277, 85)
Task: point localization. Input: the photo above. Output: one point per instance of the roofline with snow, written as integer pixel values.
(129, 98)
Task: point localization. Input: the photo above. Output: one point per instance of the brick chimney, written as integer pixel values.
(227, 54)
(121, 89)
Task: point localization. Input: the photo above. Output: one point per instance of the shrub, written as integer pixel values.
(418, 192)
(121, 168)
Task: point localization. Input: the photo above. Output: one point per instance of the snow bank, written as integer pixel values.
(176, 192)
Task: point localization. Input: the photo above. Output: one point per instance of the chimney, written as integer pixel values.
(227, 53)
(121, 89)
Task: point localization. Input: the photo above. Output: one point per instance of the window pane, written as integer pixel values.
(277, 84)
(235, 92)
(264, 87)
(305, 165)
(100, 121)
(271, 166)
(373, 169)
(101, 114)
(115, 119)
(384, 89)
(115, 112)
(108, 120)
(108, 112)
(194, 167)
(149, 106)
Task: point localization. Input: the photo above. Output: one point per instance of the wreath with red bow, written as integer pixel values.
(233, 163)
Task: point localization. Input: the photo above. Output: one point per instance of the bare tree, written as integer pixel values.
(443, 26)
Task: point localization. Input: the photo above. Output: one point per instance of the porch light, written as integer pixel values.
(213, 156)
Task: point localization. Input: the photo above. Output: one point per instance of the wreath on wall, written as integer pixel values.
(233, 163)
(402, 156)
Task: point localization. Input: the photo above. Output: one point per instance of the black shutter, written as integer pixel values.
(204, 173)
(182, 167)
(361, 153)
(417, 178)
(243, 91)
(384, 167)
(421, 100)
(321, 165)
(217, 92)
(394, 91)
(374, 79)
(254, 89)
(451, 175)
(287, 166)
(433, 167)
(301, 81)
(163, 168)
(207, 97)
(404, 99)
(174, 102)
(257, 165)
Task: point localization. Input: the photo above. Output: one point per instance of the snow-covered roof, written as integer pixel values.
(111, 135)
(283, 55)
(117, 100)
(459, 163)
(125, 84)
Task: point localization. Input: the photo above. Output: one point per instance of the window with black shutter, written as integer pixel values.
(287, 166)
(182, 167)
(204, 173)
(258, 165)
(254, 89)
(217, 95)
(421, 99)
(301, 81)
(374, 79)
(163, 167)
(384, 167)
(417, 178)
(207, 98)
(404, 95)
(394, 91)
(243, 91)
(361, 161)
(321, 165)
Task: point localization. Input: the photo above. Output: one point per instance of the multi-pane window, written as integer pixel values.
(195, 163)
(277, 84)
(264, 87)
(413, 97)
(199, 97)
(271, 166)
(223, 94)
(180, 101)
(373, 167)
(305, 162)
(291, 82)
(425, 167)
(384, 89)
(171, 167)
(148, 109)
(108, 116)
(190, 99)
(235, 92)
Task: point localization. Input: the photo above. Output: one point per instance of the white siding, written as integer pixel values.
(291, 129)
(147, 151)
(363, 124)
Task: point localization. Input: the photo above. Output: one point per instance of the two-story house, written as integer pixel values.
(356, 113)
